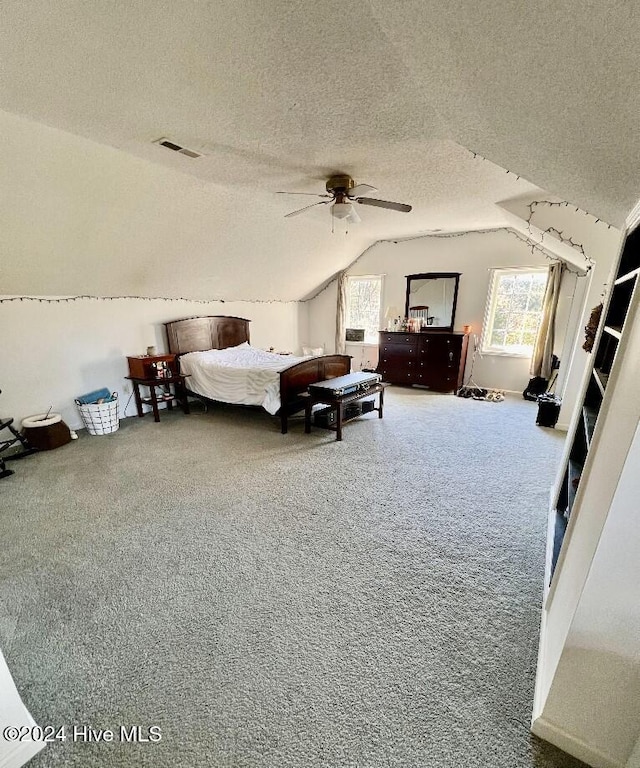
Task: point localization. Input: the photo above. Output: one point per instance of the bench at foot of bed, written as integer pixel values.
(295, 380)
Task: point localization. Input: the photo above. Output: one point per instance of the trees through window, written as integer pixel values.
(514, 311)
(364, 294)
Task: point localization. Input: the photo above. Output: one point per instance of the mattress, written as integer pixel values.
(242, 375)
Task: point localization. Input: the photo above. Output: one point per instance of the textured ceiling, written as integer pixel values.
(277, 94)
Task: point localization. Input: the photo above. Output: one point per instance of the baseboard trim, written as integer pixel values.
(541, 690)
(588, 754)
(538, 694)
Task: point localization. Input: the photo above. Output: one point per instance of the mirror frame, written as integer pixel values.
(435, 276)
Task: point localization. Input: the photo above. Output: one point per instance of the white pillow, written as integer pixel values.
(306, 351)
(239, 346)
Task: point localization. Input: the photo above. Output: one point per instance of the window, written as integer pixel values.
(364, 295)
(514, 311)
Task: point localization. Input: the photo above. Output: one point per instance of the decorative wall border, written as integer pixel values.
(90, 297)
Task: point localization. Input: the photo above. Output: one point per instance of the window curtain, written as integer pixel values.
(543, 347)
(341, 314)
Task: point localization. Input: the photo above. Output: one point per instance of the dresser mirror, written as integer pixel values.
(432, 298)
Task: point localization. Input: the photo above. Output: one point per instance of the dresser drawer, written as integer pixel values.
(397, 352)
(398, 374)
(393, 363)
(404, 339)
(443, 383)
(441, 349)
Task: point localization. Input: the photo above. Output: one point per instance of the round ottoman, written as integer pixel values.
(45, 432)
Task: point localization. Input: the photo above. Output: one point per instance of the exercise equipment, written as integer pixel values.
(16, 437)
(9, 442)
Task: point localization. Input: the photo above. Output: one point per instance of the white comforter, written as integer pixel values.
(241, 375)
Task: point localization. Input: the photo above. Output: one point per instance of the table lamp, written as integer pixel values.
(391, 313)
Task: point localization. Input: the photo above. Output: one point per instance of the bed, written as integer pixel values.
(223, 366)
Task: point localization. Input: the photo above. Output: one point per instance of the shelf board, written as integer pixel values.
(560, 527)
(589, 416)
(614, 330)
(628, 276)
(601, 379)
(574, 471)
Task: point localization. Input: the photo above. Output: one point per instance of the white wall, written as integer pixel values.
(473, 254)
(53, 352)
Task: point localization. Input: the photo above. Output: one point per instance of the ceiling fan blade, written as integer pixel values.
(402, 207)
(306, 208)
(313, 194)
(361, 189)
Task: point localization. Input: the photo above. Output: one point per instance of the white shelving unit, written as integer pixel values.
(587, 698)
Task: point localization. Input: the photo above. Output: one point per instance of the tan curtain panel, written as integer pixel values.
(341, 314)
(543, 348)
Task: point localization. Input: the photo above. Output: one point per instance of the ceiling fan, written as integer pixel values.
(342, 193)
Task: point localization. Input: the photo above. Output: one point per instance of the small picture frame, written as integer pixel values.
(355, 334)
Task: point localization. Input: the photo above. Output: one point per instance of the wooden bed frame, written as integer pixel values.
(197, 334)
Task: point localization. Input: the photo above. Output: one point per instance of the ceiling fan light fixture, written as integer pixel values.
(342, 195)
(353, 217)
(342, 210)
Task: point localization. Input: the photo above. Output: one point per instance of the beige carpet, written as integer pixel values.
(276, 601)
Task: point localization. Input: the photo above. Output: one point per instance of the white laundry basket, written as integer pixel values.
(100, 418)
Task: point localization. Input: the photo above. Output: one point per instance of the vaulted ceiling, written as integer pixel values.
(276, 95)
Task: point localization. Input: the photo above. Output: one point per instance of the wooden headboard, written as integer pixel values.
(196, 334)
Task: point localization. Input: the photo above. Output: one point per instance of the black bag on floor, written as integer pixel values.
(537, 386)
(548, 410)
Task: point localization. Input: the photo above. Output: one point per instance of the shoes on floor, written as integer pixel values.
(478, 393)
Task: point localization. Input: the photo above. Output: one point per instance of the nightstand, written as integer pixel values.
(142, 373)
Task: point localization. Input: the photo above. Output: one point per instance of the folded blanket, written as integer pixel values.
(92, 397)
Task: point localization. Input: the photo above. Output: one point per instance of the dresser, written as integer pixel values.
(433, 359)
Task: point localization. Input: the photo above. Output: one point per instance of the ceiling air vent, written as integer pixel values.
(177, 148)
